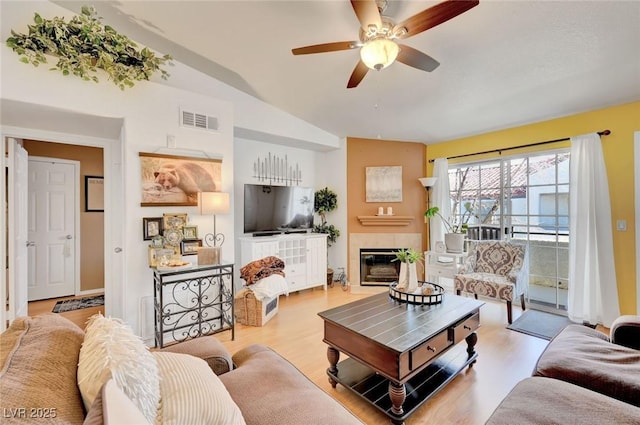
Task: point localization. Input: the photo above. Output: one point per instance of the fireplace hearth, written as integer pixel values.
(378, 266)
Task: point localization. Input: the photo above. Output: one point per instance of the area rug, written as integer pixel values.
(540, 324)
(78, 303)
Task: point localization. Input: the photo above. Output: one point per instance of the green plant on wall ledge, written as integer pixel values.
(83, 45)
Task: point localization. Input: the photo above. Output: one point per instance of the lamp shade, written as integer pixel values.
(379, 53)
(428, 181)
(213, 203)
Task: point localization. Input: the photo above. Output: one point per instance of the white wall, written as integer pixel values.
(150, 113)
(246, 152)
(333, 174)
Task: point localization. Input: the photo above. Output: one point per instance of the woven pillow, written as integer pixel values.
(112, 351)
(192, 394)
(39, 357)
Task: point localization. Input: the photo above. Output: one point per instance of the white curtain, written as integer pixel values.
(593, 292)
(442, 199)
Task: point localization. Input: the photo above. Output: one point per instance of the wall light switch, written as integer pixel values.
(621, 225)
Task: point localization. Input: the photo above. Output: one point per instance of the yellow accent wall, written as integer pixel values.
(623, 121)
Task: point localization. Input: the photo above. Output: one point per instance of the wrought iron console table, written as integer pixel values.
(192, 302)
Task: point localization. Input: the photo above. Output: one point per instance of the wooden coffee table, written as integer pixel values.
(400, 354)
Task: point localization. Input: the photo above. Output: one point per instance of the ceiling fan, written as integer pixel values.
(378, 35)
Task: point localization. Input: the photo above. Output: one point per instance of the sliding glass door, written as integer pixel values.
(526, 198)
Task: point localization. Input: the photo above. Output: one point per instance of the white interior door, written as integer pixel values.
(20, 207)
(16, 290)
(53, 208)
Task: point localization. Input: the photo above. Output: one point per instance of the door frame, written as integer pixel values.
(76, 221)
(636, 158)
(114, 211)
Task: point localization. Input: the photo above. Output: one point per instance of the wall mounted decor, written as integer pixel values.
(190, 247)
(83, 45)
(384, 184)
(176, 180)
(275, 169)
(190, 232)
(93, 194)
(151, 227)
(174, 221)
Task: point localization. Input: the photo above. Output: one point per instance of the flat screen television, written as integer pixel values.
(270, 209)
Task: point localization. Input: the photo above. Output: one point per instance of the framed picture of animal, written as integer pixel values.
(169, 180)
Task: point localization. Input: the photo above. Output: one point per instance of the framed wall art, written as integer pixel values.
(93, 194)
(190, 232)
(190, 247)
(151, 227)
(384, 184)
(168, 180)
(174, 221)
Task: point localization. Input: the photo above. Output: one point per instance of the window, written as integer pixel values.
(521, 197)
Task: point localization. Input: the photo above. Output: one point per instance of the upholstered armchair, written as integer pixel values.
(495, 269)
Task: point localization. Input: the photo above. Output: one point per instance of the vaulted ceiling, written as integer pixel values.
(502, 63)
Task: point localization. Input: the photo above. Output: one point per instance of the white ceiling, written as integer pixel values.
(503, 63)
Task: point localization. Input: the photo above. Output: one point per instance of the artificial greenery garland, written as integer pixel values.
(83, 45)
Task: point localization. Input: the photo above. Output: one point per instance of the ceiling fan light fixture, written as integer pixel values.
(379, 53)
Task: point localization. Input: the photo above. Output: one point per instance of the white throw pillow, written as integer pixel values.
(112, 351)
(118, 409)
(190, 393)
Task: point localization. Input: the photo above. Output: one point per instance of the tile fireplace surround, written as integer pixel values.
(377, 240)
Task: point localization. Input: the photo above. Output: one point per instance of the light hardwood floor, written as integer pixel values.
(79, 317)
(504, 357)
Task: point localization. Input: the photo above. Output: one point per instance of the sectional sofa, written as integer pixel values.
(53, 371)
(583, 377)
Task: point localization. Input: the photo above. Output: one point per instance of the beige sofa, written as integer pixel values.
(582, 377)
(39, 358)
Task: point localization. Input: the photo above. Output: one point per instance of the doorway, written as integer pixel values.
(105, 134)
(53, 227)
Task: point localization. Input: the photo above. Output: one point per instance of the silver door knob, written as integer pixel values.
(31, 243)
(68, 237)
(118, 250)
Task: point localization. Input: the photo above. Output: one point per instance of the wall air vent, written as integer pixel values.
(196, 120)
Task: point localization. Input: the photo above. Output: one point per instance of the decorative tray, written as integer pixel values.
(176, 266)
(435, 297)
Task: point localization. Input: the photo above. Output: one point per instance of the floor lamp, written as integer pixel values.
(213, 203)
(428, 183)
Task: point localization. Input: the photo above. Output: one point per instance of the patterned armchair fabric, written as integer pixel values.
(496, 269)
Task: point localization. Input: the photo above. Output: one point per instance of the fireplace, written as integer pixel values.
(377, 266)
(375, 241)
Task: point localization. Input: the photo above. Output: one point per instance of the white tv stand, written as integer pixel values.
(304, 256)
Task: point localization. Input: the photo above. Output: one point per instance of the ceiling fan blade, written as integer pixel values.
(367, 13)
(417, 59)
(357, 75)
(326, 47)
(432, 17)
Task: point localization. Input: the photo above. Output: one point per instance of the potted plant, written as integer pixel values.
(325, 201)
(83, 45)
(454, 238)
(408, 279)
